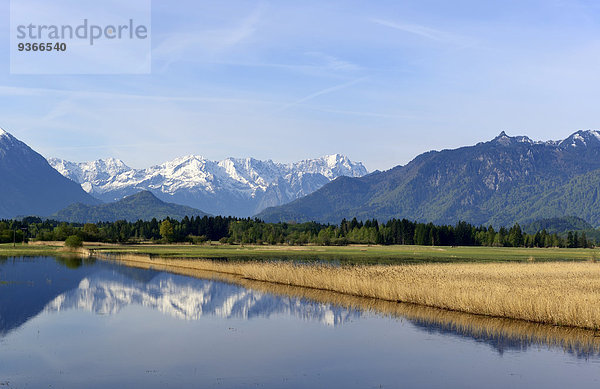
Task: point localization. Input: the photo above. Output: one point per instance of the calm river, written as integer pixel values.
(97, 324)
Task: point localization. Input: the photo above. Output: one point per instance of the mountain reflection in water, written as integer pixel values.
(30, 286)
(108, 292)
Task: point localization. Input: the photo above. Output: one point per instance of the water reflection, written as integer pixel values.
(500, 334)
(31, 286)
(28, 284)
(108, 291)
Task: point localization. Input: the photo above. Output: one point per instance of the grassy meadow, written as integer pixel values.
(352, 254)
(357, 254)
(20, 249)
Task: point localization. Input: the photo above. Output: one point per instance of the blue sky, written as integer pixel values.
(379, 81)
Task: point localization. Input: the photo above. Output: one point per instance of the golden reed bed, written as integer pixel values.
(556, 293)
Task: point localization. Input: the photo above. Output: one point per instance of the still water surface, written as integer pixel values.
(97, 324)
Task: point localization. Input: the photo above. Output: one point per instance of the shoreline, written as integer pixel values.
(559, 294)
(512, 283)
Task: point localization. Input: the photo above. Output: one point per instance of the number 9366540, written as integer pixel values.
(42, 46)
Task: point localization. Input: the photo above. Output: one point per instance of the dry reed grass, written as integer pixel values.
(556, 293)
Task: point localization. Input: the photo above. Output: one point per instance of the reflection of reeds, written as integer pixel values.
(565, 294)
(576, 340)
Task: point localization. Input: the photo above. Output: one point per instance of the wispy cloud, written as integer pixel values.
(211, 43)
(78, 94)
(319, 64)
(426, 32)
(332, 62)
(361, 113)
(324, 92)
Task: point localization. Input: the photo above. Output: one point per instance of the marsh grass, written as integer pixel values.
(572, 339)
(555, 293)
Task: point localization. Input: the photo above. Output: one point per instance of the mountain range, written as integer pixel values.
(29, 185)
(502, 181)
(237, 187)
(499, 182)
(140, 206)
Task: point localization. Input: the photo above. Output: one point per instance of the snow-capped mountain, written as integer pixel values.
(239, 187)
(582, 138)
(88, 172)
(107, 292)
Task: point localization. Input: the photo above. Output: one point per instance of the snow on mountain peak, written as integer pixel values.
(587, 135)
(595, 133)
(110, 165)
(581, 138)
(185, 159)
(332, 159)
(7, 138)
(90, 174)
(189, 180)
(506, 140)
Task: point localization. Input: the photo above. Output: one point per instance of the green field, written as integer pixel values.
(7, 250)
(360, 254)
(343, 254)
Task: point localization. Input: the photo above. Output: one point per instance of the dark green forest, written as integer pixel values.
(231, 230)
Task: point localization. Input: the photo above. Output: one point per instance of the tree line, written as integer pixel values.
(232, 230)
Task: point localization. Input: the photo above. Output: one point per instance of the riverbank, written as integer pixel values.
(555, 293)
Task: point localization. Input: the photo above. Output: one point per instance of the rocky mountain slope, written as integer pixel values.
(499, 182)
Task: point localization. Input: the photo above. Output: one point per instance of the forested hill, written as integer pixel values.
(558, 225)
(500, 182)
(140, 206)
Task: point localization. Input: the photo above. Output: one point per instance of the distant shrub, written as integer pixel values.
(197, 239)
(74, 241)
